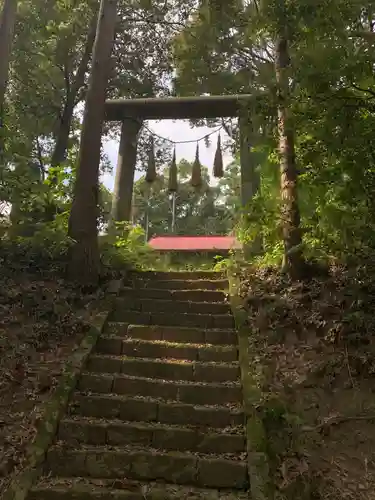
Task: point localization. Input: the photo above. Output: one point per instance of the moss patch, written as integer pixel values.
(258, 462)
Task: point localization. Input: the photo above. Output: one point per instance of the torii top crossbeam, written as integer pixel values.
(164, 108)
(132, 112)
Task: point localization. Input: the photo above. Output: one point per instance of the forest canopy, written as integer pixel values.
(310, 67)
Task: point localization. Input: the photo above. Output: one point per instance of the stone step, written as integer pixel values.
(151, 305)
(177, 275)
(220, 284)
(204, 321)
(123, 489)
(164, 369)
(186, 335)
(144, 409)
(158, 436)
(184, 392)
(173, 467)
(163, 349)
(184, 295)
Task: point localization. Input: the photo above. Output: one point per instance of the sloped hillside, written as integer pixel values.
(42, 319)
(313, 345)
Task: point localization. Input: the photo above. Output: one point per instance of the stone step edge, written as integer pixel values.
(169, 343)
(131, 326)
(170, 294)
(160, 319)
(166, 361)
(177, 272)
(171, 467)
(182, 391)
(180, 279)
(164, 368)
(127, 489)
(152, 425)
(134, 409)
(179, 285)
(184, 383)
(162, 438)
(233, 409)
(134, 449)
(153, 305)
(177, 313)
(187, 303)
(178, 335)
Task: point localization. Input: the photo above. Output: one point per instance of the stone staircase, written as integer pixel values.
(157, 414)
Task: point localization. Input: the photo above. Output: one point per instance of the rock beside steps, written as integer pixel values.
(157, 413)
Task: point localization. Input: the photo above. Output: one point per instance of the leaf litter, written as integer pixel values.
(314, 345)
(42, 320)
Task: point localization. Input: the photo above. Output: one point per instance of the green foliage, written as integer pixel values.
(210, 47)
(47, 248)
(332, 107)
(206, 211)
(127, 249)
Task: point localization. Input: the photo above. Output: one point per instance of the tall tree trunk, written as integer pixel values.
(7, 22)
(72, 94)
(293, 261)
(84, 258)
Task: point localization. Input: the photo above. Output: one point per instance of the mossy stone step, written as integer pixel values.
(173, 467)
(193, 393)
(89, 489)
(182, 334)
(162, 349)
(205, 321)
(152, 305)
(165, 369)
(159, 436)
(177, 275)
(183, 295)
(151, 410)
(220, 284)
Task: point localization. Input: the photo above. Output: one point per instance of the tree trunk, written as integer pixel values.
(72, 91)
(293, 261)
(127, 156)
(84, 259)
(7, 22)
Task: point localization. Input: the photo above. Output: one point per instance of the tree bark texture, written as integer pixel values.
(7, 22)
(124, 182)
(84, 259)
(72, 97)
(293, 261)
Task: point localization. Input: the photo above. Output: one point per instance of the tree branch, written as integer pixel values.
(86, 56)
(367, 91)
(40, 159)
(336, 420)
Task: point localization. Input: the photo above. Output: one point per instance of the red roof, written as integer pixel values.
(194, 243)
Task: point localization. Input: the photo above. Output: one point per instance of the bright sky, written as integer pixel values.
(176, 131)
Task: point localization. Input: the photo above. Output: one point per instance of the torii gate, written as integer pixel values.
(132, 112)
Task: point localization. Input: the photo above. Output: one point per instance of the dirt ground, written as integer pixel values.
(41, 322)
(315, 343)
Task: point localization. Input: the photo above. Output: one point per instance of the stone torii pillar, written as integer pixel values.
(124, 181)
(250, 174)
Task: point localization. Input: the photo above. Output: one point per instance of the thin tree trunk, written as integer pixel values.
(293, 261)
(84, 259)
(7, 22)
(72, 91)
